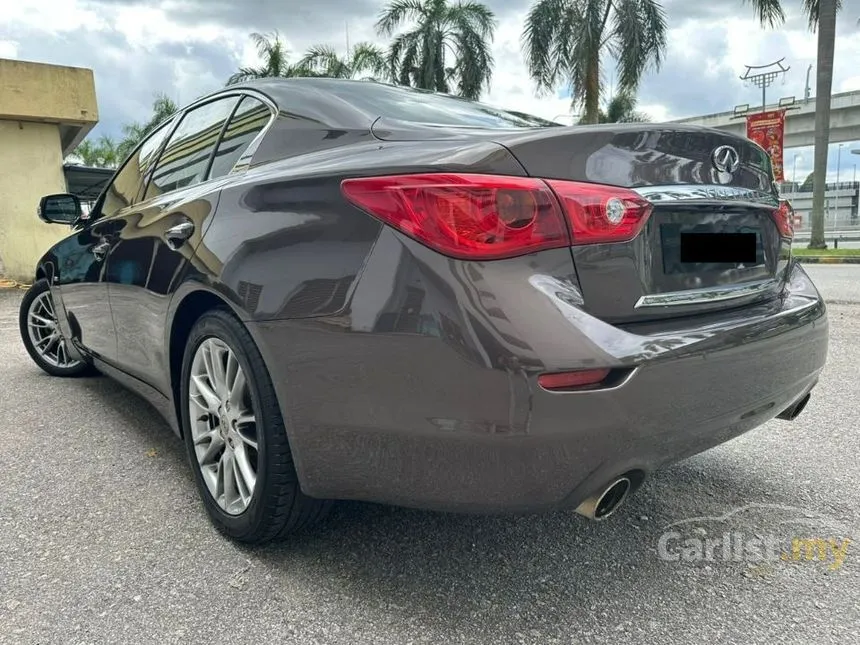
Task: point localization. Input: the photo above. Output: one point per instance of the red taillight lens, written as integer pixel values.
(601, 214)
(784, 216)
(474, 217)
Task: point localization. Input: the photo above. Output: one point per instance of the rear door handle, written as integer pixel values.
(177, 235)
(100, 250)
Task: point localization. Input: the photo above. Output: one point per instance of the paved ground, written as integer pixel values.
(102, 539)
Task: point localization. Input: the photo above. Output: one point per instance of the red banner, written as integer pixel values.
(768, 129)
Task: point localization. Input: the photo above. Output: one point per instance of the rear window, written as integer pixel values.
(418, 106)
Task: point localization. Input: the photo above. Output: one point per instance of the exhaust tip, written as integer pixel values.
(604, 504)
(792, 412)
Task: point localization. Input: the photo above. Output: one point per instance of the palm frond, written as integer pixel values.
(638, 39)
(396, 13)
(812, 10)
(768, 12)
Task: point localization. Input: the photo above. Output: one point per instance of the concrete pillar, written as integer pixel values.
(45, 111)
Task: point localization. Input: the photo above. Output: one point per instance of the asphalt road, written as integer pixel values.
(103, 540)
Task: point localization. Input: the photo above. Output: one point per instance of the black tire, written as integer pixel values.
(79, 368)
(277, 506)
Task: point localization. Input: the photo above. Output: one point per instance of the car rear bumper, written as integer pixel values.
(433, 419)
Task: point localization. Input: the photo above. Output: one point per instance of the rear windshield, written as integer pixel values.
(418, 106)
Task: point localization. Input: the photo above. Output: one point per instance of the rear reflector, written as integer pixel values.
(572, 380)
(486, 217)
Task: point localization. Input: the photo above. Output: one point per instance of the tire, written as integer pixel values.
(37, 321)
(274, 505)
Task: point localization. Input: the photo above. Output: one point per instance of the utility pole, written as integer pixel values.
(763, 77)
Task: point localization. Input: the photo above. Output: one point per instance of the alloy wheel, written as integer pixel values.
(45, 335)
(223, 425)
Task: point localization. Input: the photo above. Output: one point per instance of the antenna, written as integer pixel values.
(764, 76)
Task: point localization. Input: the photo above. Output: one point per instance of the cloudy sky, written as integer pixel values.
(186, 48)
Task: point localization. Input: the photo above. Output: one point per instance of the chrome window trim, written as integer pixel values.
(707, 295)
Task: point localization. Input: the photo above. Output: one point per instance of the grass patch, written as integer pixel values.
(829, 252)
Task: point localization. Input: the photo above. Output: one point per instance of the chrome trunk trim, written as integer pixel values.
(704, 296)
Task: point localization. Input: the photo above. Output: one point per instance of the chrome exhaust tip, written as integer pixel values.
(794, 410)
(599, 507)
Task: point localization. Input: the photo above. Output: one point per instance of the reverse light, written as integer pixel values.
(473, 217)
(784, 216)
(600, 214)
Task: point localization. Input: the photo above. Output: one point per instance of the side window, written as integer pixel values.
(249, 119)
(187, 153)
(126, 184)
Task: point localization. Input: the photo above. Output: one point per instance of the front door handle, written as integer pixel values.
(100, 250)
(177, 235)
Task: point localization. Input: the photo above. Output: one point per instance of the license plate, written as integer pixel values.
(718, 248)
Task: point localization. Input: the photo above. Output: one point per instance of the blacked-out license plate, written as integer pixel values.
(728, 248)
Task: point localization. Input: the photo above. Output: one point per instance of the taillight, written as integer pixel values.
(474, 217)
(784, 216)
(601, 214)
(486, 217)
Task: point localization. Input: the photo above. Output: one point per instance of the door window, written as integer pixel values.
(185, 159)
(246, 123)
(126, 184)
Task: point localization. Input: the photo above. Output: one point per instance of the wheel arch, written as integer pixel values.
(187, 311)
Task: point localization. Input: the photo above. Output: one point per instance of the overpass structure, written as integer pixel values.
(799, 123)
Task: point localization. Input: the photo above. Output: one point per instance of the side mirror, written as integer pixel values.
(60, 209)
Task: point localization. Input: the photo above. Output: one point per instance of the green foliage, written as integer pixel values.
(621, 108)
(363, 58)
(107, 153)
(275, 57)
(445, 48)
(565, 41)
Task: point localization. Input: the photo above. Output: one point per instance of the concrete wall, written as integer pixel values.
(23, 236)
(47, 93)
(45, 110)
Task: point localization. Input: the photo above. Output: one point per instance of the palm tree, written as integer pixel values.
(621, 108)
(323, 60)
(822, 17)
(276, 60)
(162, 108)
(439, 31)
(565, 40)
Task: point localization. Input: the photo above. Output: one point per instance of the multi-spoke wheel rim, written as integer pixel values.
(45, 335)
(223, 425)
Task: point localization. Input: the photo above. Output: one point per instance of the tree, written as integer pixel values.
(439, 31)
(323, 60)
(163, 107)
(621, 108)
(822, 17)
(809, 183)
(275, 57)
(107, 153)
(565, 40)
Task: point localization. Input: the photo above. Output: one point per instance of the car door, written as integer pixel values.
(161, 234)
(81, 259)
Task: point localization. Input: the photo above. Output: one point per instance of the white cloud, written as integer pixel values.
(188, 47)
(8, 49)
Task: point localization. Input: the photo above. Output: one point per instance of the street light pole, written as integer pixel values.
(838, 163)
(794, 172)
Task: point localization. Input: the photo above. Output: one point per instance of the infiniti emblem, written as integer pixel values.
(726, 159)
